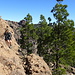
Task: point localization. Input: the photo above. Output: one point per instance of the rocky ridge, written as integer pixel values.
(10, 63)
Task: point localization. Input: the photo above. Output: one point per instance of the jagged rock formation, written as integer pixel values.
(35, 65)
(10, 63)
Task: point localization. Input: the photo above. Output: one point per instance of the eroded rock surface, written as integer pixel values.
(10, 63)
(35, 65)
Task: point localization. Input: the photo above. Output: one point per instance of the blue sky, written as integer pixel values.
(16, 10)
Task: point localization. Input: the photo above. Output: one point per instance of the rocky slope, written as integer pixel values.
(35, 65)
(10, 63)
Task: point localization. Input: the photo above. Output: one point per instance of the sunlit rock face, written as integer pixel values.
(10, 63)
(35, 65)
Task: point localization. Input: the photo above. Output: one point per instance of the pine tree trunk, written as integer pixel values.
(57, 58)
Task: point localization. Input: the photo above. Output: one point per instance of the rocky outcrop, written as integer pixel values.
(35, 65)
(10, 63)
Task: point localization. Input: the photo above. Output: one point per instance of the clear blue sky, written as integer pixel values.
(16, 10)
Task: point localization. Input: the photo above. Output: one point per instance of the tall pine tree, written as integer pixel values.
(28, 34)
(43, 31)
(62, 33)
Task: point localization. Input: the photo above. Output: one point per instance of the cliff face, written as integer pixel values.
(10, 63)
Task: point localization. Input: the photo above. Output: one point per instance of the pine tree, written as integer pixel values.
(62, 33)
(28, 34)
(43, 33)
